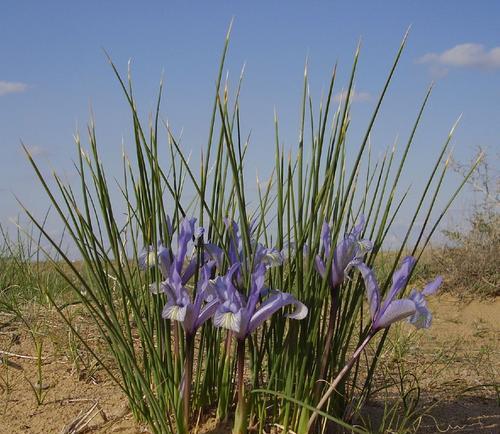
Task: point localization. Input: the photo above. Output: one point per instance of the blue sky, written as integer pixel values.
(53, 70)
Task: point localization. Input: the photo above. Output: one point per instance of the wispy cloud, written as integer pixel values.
(463, 56)
(37, 151)
(355, 96)
(7, 87)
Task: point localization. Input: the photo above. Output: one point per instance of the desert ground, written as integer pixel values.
(455, 363)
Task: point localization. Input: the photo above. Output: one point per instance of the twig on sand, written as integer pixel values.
(20, 356)
(83, 419)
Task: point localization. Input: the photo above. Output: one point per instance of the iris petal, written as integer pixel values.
(325, 238)
(433, 286)
(185, 236)
(320, 266)
(395, 311)
(399, 280)
(372, 289)
(228, 320)
(174, 312)
(274, 303)
(207, 312)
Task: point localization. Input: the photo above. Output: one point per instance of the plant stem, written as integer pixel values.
(224, 391)
(329, 336)
(240, 418)
(188, 374)
(241, 369)
(40, 386)
(337, 380)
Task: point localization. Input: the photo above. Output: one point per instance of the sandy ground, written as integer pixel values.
(453, 361)
(457, 364)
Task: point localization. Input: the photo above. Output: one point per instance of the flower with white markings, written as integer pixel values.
(242, 315)
(347, 254)
(168, 261)
(391, 310)
(180, 306)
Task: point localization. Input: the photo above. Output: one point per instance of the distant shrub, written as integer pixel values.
(471, 255)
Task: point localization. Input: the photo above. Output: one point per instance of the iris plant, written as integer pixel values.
(170, 262)
(229, 282)
(190, 311)
(386, 312)
(261, 255)
(334, 266)
(391, 310)
(242, 314)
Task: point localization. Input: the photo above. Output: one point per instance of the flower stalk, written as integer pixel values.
(333, 386)
(334, 268)
(188, 376)
(329, 336)
(240, 418)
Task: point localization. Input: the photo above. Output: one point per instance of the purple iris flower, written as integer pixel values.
(347, 254)
(180, 307)
(241, 315)
(391, 309)
(179, 261)
(267, 256)
(178, 268)
(148, 258)
(422, 318)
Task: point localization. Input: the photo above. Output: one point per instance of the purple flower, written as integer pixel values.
(241, 315)
(267, 256)
(422, 318)
(180, 307)
(148, 258)
(347, 254)
(177, 268)
(391, 310)
(179, 261)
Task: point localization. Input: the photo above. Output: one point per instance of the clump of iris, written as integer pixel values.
(243, 309)
(190, 308)
(240, 301)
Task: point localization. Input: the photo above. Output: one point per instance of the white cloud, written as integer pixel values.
(37, 151)
(354, 97)
(11, 87)
(464, 56)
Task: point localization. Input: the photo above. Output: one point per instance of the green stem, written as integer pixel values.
(188, 374)
(240, 418)
(329, 336)
(338, 379)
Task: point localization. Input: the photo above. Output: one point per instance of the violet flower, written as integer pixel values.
(179, 261)
(178, 268)
(348, 253)
(241, 315)
(180, 307)
(391, 310)
(422, 318)
(269, 256)
(385, 313)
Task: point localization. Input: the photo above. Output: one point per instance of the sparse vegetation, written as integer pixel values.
(470, 258)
